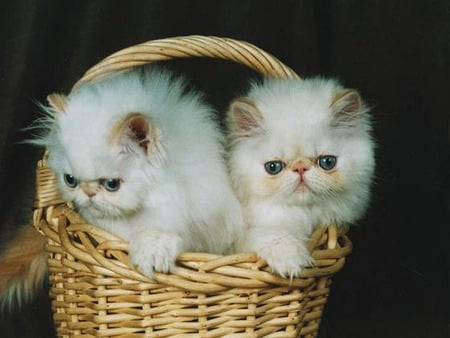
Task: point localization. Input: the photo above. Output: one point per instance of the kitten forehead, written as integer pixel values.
(299, 120)
(78, 162)
(304, 104)
(301, 111)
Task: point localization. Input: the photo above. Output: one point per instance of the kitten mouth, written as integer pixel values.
(93, 208)
(89, 204)
(96, 211)
(302, 187)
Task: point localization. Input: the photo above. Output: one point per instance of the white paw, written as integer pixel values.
(154, 251)
(286, 255)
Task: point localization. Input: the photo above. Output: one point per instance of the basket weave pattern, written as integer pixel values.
(96, 292)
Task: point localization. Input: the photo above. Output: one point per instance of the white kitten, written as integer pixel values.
(141, 157)
(301, 156)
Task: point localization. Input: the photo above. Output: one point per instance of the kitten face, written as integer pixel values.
(285, 170)
(304, 144)
(112, 187)
(126, 150)
(301, 179)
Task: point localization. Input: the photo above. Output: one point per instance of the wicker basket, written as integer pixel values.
(96, 292)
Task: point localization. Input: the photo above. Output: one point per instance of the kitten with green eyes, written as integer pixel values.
(301, 156)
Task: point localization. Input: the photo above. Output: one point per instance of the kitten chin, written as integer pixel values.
(301, 156)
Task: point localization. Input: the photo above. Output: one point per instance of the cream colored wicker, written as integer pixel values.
(96, 292)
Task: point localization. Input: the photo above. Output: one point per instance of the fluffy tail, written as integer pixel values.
(23, 267)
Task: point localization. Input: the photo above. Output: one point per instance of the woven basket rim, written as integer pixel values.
(84, 242)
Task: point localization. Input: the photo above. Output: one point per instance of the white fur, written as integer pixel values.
(177, 200)
(297, 125)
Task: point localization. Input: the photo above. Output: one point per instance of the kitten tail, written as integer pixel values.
(23, 267)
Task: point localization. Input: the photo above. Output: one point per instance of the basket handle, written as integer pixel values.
(190, 46)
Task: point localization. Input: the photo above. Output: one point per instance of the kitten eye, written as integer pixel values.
(111, 184)
(70, 181)
(274, 167)
(327, 162)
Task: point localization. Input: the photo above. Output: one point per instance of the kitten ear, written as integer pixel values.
(347, 107)
(58, 102)
(137, 132)
(245, 117)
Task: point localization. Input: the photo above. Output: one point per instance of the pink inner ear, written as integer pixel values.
(134, 129)
(139, 128)
(347, 107)
(246, 115)
(243, 119)
(352, 103)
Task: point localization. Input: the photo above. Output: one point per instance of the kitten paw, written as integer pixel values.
(286, 256)
(155, 251)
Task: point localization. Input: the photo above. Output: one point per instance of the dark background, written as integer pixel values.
(395, 283)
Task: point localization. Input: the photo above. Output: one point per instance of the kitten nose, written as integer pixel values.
(89, 193)
(300, 168)
(89, 189)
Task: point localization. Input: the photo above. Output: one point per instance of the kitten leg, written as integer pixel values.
(284, 253)
(23, 266)
(153, 250)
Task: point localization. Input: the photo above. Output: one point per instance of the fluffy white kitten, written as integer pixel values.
(141, 157)
(301, 156)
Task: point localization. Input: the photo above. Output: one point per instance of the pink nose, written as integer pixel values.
(89, 189)
(301, 170)
(90, 193)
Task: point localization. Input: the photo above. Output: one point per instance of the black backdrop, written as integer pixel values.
(395, 284)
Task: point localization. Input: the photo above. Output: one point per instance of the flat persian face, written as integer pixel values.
(102, 165)
(302, 145)
(111, 186)
(289, 174)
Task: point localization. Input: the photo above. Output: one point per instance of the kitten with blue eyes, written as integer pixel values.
(141, 157)
(149, 167)
(301, 156)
